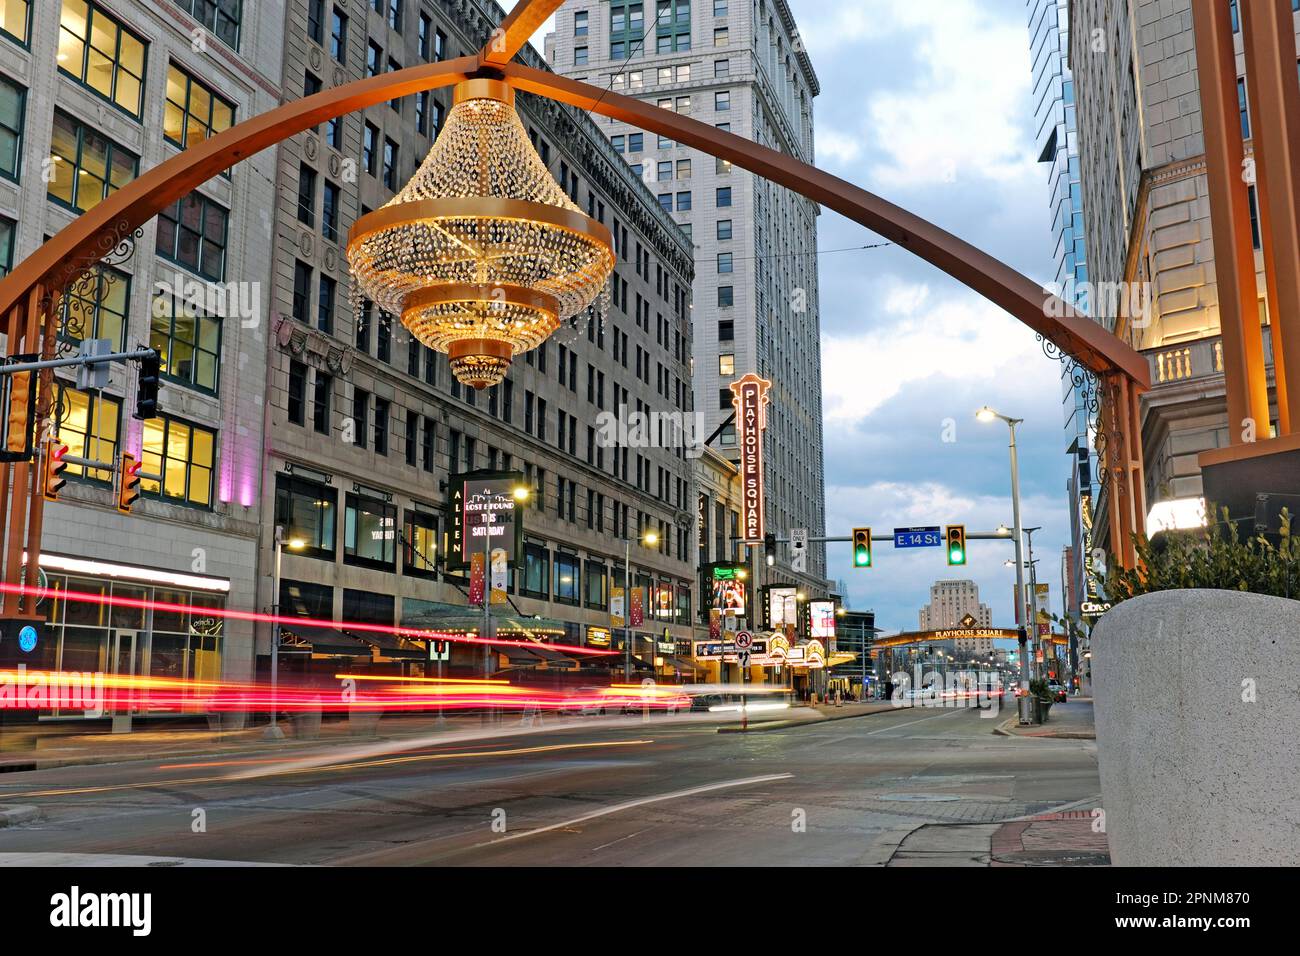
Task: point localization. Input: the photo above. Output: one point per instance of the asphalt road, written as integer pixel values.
(608, 792)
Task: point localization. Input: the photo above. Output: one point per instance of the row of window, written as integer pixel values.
(666, 75)
(181, 454)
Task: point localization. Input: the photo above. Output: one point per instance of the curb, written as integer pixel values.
(11, 816)
(1001, 730)
(782, 724)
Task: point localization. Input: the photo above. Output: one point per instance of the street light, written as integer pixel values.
(273, 731)
(987, 415)
(651, 539)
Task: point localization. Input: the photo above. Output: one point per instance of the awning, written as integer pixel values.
(390, 646)
(684, 664)
(313, 639)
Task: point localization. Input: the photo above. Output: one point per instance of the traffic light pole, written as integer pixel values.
(77, 360)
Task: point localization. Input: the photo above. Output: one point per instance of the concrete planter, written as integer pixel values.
(1198, 729)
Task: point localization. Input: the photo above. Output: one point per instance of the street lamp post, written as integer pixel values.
(273, 731)
(987, 414)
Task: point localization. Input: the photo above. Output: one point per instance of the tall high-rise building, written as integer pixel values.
(740, 65)
(1056, 140)
(1147, 225)
(93, 93)
(951, 604)
(367, 425)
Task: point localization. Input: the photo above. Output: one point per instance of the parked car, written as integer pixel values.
(1058, 691)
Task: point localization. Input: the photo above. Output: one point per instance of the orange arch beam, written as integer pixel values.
(1075, 333)
(91, 236)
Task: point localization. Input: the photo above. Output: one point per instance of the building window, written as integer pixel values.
(321, 401)
(419, 544)
(360, 416)
(89, 427)
(185, 456)
(96, 307)
(297, 401)
(187, 341)
(339, 36)
(726, 330)
(192, 233)
(727, 365)
(306, 195)
(721, 37)
(390, 164)
(370, 149)
(86, 165)
(724, 230)
(316, 20)
(369, 533)
(374, 55)
(684, 202)
(439, 45)
(580, 23)
(14, 19)
(395, 14)
(724, 197)
(329, 217)
(566, 579)
(725, 262)
(1243, 107)
(6, 245)
(381, 425)
(222, 17)
(13, 107)
(193, 112)
(97, 50)
(307, 510)
(721, 68)
(301, 290)
(722, 101)
(580, 56)
(666, 201)
(726, 296)
(325, 304)
(537, 572)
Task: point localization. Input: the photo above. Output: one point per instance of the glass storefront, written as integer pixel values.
(176, 639)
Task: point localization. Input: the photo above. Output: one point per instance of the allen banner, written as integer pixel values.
(617, 611)
(750, 397)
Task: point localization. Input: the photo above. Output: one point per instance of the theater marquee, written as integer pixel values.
(749, 396)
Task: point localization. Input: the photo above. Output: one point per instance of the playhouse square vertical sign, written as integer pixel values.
(750, 397)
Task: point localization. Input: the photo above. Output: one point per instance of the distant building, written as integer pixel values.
(955, 604)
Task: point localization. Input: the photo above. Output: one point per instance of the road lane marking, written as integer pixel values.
(909, 723)
(621, 839)
(640, 802)
(354, 765)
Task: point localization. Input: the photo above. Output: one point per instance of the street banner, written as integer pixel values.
(476, 579)
(749, 397)
(616, 610)
(637, 611)
(500, 575)
(715, 623)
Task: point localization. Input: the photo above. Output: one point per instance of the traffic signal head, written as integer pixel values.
(128, 489)
(54, 466)
(862, 547)
(955, 536)
(769, 548)
(19, 415)
(146, 395)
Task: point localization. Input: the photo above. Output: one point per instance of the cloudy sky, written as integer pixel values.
(927, 104)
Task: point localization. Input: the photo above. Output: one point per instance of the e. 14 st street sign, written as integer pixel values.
(918, 538)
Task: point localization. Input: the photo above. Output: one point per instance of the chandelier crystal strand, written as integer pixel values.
(481, 253)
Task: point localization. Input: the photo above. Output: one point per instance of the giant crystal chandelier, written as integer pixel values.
(481, 253)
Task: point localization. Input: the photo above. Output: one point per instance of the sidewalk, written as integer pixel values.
(1072, 720)
(1051, 839)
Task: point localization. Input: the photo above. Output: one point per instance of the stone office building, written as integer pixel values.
(92, 93)
(365, 425)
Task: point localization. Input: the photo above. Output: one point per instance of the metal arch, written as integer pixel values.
(1051, 317)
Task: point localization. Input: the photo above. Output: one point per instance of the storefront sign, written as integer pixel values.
(598, 636)
(484, 509)
(750, 397)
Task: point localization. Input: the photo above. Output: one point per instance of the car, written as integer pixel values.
(1058, 691)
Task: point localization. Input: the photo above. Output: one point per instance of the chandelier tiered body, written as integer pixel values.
(482, 254)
